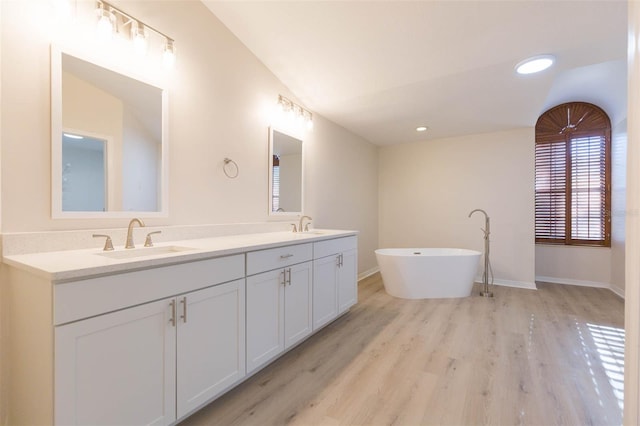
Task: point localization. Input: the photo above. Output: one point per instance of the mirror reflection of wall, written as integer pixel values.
(128, 112)
(285, 173)
(83, 173)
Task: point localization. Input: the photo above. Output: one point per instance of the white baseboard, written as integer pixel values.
(510, 283)
(368, 273)
(583, 283)
(617, 290)
(516, 284)
(570, 281)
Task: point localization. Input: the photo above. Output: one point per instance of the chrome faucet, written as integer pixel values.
(487, 225)
(302, 222)
(485, 292)
(129, 244)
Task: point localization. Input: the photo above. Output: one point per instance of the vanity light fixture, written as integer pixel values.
(422, 129)
(113, 20)
(535, 64)
(296, 111)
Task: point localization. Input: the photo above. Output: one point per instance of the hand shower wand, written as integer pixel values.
(485, 275)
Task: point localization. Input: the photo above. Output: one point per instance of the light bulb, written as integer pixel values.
(169, 55)
(106, 19)
(139, 36)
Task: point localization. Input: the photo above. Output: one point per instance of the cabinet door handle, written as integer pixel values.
(184, 309)
(289, 281)
(284, 277)
(172, 318)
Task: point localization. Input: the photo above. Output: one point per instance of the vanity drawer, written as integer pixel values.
(336, 245)
(76, 300)
(279, 257)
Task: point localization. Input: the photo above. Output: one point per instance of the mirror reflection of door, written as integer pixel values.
(84, 175)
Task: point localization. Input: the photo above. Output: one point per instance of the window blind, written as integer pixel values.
(588, 188)
(275, 191)
(572, 176)
(551, 182)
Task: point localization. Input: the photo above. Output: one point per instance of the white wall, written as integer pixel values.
(4, 392)
(427, 190)
(588, 266)
(632, 244)
(220, 98)
(618, 205)
(339, 168)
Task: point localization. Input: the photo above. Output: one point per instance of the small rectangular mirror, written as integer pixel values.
(285, 174)
(108, 140)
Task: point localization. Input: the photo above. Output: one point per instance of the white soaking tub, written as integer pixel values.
(428, 273)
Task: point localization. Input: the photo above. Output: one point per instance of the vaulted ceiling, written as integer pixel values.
(382, 68)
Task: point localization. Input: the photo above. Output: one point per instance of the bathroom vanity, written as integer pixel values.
(148, 336)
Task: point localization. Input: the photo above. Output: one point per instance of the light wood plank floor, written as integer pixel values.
(547, 357)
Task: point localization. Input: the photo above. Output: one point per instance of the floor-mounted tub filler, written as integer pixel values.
(427, 273)
(487, 263)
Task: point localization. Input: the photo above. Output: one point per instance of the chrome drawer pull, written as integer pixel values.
(184, 309)
(172, 318)
(285, 256)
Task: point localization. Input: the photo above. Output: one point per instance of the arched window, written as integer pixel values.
(573, 176)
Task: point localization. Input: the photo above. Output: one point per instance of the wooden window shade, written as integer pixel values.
(573, 175)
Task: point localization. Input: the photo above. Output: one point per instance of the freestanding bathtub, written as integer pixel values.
(427, 273)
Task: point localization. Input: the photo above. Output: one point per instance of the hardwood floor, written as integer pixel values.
(547, 357)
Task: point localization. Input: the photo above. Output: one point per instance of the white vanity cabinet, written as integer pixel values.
(152, 341)
(335, 287)
(279, 307)
(210, 328)
(151, 363)
(117, 368)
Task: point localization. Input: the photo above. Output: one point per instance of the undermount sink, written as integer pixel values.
(312, 232)
(143, 252)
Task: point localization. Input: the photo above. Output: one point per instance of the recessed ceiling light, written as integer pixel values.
(535, 64)
(422, 129)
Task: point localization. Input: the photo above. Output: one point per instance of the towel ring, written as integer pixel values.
(232, 175)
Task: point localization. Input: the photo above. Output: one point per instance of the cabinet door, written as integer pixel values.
(325, 297)
(265, 317)
(117, 368)
(210, 343)
(297, 302)
(348, 280)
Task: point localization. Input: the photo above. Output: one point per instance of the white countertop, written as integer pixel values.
(70, 265)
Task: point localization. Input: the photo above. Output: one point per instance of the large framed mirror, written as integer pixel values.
(108, 140)
(285, 174)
